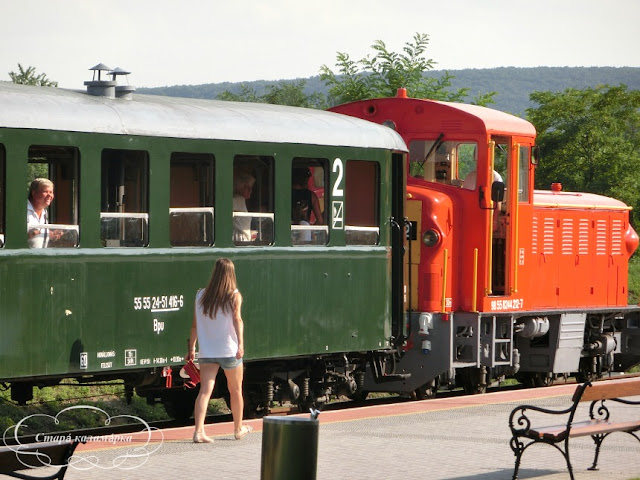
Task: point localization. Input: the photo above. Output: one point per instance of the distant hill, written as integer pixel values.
(512, 84)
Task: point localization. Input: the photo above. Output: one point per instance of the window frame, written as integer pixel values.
(130, 215)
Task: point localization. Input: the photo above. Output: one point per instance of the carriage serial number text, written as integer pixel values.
(160, 303)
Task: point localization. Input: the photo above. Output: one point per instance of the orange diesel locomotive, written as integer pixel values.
(503, 279)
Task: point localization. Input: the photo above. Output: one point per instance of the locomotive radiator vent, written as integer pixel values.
(109, 88)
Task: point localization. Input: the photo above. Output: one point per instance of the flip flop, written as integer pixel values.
(243, 431)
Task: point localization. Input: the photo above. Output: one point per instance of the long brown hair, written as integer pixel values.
(219, 292)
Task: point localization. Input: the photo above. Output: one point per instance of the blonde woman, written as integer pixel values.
(219, 330)
(40, 197)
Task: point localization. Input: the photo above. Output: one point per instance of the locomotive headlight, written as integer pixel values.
(430, 238)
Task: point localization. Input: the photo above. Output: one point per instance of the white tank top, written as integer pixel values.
(217, 337)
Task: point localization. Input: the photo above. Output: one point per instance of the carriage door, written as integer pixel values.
(501, 234)
(398, 184)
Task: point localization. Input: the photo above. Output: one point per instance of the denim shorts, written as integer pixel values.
(227, 363)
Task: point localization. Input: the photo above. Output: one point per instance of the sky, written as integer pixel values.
(192, 42)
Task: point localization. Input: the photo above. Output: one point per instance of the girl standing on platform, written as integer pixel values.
(219, 330)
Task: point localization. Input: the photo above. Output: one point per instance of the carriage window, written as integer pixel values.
(191, 204)
(362, 192)
(253, 199)
(2, 195)
(451, 163)
(124, 215)
(523, 174)
(52, 215)
(308, 201)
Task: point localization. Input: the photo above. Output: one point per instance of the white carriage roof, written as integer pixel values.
(48, 108)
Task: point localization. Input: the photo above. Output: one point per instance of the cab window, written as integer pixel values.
(124, 215)
(253, 200)
(523, 173)
(308, 201)
(450, 163)
(58, 167)
(362, 194)
(191, 212)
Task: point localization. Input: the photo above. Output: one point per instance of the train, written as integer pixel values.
(412, 280)
(144, 205)
(504, 280)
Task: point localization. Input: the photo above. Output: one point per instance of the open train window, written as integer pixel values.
(253, 200)
(2, 195)
(57, 168)
(308, 201)
(191, 211)
(448, 162)
(124, 214)
(362, 194)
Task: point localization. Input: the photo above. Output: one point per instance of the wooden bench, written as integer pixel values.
(598, 426)
(34, 455)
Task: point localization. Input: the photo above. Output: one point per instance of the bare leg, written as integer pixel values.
(234, 383)
(208, 372)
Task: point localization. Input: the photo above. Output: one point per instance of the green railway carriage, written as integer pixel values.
(144, 205)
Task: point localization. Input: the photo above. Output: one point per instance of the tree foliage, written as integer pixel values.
(283, 93)
(383, 73)
(378, 75)
(28, 76)
(590, 141)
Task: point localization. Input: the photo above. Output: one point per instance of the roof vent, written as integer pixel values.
(99, 87)
(122, 91)
(109, 88)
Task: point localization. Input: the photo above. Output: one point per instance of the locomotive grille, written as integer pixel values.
(567, 236)
(601, 237)
(583, 236)
(548, 236)
(616, 237)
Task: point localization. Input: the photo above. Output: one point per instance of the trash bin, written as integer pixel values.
(289, 448)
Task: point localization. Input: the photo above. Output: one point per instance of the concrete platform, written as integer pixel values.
(465, 437)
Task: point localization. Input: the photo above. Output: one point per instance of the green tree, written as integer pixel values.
(590, 141)
(383, 73)
(283, 93)
(29, 77)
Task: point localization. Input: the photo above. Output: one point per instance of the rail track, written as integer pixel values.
(283, 410)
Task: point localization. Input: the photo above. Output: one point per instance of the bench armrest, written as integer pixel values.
(520, 423)
(598, 409)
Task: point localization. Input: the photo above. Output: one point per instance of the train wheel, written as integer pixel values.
(472, 388)
(252, 407)
(359, 395)
(543, 379)
(469, 380)
(536, 379)
(306, 404)
(179, 403)
(428, 390)
(254, 410)
(586, 372)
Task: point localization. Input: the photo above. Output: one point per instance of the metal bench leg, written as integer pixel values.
(598, 441)
(518, 450)
(517, 466)
(566, 456)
